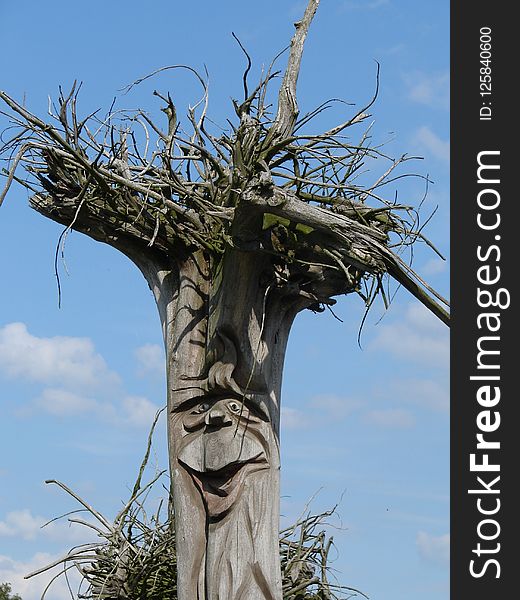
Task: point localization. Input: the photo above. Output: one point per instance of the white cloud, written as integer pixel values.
(139, 411)
(434, 266)
(14, 572)
(62, 403)
(429, 89)
(419, 317)
(151, 359)
(334, 407)
(67, 360)
(22, 524)
(403, 341)
(419, 337)
(396, 49)
(135, 411)
(434, 548)
(391, 417)
(323, 409)
(293, 418)
(74, 364)
(426, 139)
(426, 393)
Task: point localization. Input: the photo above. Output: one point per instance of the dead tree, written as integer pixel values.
(235, 234)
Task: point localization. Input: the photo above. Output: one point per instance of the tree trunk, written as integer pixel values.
(226, 326)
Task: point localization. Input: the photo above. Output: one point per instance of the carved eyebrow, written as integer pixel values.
(191, 402)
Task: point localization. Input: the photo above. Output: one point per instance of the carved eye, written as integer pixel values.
(201, 408)
(235, 407)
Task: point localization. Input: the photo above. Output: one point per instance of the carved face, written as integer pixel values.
(224, 441)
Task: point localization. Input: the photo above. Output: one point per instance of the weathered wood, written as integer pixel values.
(226, 328)
(287, 112)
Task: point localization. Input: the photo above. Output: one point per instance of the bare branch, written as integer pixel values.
(362, 246)
(287, 113)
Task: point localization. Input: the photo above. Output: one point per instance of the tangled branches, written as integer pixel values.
(264, 185)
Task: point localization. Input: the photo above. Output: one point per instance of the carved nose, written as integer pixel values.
(218, 417)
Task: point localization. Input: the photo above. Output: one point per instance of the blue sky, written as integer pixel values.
(79, 385)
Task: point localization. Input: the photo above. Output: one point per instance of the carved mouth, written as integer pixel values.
(221, 488)
(219, 481)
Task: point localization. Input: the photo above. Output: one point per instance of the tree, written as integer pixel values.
(235, 234)
(5, 592)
